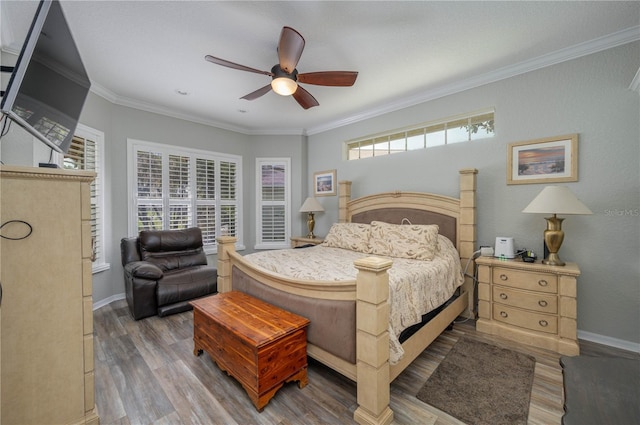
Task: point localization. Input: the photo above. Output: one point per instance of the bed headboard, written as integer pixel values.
(455, 216)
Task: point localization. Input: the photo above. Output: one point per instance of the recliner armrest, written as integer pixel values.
(144, 270)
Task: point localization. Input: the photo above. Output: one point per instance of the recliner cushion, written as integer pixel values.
(183, 285)
(172, 249)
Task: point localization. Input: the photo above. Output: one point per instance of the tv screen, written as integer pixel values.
(49, 84)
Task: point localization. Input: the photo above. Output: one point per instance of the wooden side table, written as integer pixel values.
(531, 303)
(260, 345)
(297, 241)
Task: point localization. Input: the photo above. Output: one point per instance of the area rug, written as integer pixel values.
(480, 384)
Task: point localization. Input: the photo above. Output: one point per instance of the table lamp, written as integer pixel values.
(310, 206)
(555, 200)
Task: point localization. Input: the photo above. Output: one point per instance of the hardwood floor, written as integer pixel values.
(146, 373)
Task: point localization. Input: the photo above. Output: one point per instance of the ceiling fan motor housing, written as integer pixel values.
(281, 73)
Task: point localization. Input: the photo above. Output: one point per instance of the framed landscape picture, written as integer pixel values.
(548, 160)
(324, 183)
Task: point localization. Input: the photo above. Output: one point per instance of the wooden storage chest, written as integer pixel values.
(260, 345)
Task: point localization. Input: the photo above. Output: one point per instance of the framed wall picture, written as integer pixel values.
(324, 183)
(548, 160)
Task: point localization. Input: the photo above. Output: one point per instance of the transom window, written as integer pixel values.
(459, 129)
(176, 188)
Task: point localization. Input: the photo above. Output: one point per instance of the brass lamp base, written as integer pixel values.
(553, 237)
(311, 223)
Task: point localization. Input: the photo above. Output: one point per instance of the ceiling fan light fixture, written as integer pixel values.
(284, 86)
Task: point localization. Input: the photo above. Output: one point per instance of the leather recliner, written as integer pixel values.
(164, 270)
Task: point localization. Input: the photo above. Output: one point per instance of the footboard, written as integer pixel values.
(369, 291)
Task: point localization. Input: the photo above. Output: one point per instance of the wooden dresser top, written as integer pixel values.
(249, 318)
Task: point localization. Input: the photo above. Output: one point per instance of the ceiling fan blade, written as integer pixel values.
(304, 98)
(329, 78)
(233, 65)
(290, 49)
(256, 94)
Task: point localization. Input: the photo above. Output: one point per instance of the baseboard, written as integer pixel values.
(607, 340)
(108, 301)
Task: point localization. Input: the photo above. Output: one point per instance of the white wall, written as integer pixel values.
(588, 96)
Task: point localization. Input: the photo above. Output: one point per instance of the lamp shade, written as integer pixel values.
(311, 205)
(556, 200)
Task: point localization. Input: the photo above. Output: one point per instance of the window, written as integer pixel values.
(445, 132)
(86, 153)
(273, 217)
(177, 188)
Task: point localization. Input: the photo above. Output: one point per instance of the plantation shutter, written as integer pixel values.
(228, 198)
(206, 198)
(149, 190)
(83, 155)
(177, 188)
(272, 203)
(180, 216)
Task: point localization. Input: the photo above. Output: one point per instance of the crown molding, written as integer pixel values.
(609, 41)
(616, 39)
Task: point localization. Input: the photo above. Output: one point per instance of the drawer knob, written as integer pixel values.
(543, 282)
(542, 303)
(504, 314)
(543, 323)
(503, 296)
(503, 277)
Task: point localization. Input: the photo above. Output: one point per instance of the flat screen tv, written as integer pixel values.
(49, 84)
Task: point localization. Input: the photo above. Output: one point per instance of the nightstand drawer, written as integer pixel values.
(543, 282)
(536, 301)
(535, 321)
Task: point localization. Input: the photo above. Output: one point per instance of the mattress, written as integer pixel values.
(416, 287)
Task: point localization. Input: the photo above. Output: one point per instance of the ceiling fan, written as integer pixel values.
(285, 77)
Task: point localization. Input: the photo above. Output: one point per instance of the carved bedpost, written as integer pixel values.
(344, 196)
(372, 341)
(226, 244)
(467, 225)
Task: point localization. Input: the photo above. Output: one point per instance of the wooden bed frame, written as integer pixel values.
(372, 370)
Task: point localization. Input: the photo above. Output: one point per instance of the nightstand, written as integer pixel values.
(531, 303)
(297, 241)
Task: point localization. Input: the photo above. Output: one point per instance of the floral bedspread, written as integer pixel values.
(415, 286)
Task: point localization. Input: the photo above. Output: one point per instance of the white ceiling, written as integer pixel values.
(141, 53)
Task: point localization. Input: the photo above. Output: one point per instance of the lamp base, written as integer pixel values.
(553, 237)
(311, 223)
(553, 260)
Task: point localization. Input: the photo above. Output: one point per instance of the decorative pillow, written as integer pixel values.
(413, 241)
(352, 236)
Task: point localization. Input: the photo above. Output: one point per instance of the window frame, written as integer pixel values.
(286, 203)
(97, 136)
(165, 150)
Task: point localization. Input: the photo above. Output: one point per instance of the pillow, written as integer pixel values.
(352, 236)
(413, 241)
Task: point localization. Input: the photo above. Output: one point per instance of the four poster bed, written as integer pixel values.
(357, 327)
